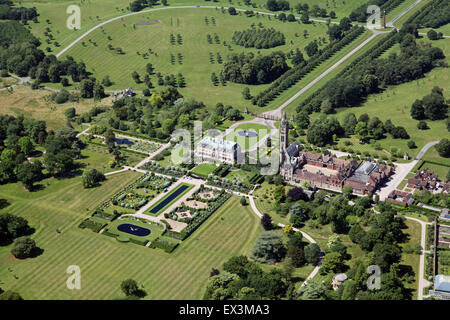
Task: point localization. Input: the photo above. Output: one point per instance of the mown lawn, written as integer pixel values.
(104, 262)
(248, 142)
(204, 169)
(412, 259)
(195, 50)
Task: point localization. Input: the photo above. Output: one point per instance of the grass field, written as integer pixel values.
(204, 169)
(36, 104)
(94, 12)
(412, 259)
(248, 142)
(104, 262)
(195, 50)
(395, 104)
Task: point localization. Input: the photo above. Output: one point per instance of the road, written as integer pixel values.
(277, 112)
(391, 23)
(423, 283)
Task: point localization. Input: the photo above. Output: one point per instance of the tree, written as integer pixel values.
(243, 201)
(297, 256)
(312, 48)
(434, 105)
(106, 81)
(149, 68)
(279, 193)
(266, 222)
(269, 248)
(302, 119)
(384, 255)
(298, 215)
(296, 194)
(70, 113)
(349, 123)
(217, 286)
(334, 32)
(87, 88)
(350, 290)
(136, 77)
(312, 253)
(411, 144)
(345, 24)
(237, 265)
(167, 126)
(25, 144)
(304, 17)
(422, 125)
(332, 15)
(312, 290)
(347, 191)
(246, 93)
(432, 35)
(443, 148)
(29, 173)
(332, 262)
(356, 233)
(98, 91)
(232, 11)
(361, 130)
(10, 295)
(92, 177)
(130, 287)
(417, 110)
(23, 247)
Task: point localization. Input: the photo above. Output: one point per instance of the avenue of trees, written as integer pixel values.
(433, 15)
(251, 69)
(369, 74)
(260, 38)
(317, 56)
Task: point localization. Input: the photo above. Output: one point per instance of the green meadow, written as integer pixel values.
(104, 261)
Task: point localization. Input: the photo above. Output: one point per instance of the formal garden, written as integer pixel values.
(139, 145)
(128, 200)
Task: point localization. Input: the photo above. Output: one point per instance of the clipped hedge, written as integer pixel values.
(166, 245)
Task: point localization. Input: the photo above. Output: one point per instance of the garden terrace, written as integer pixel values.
(197, 218)
(133, 196)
